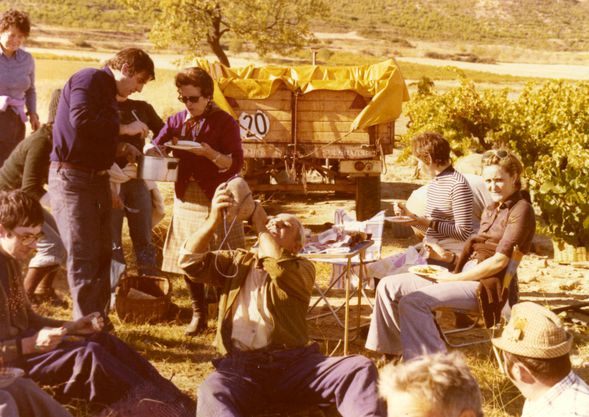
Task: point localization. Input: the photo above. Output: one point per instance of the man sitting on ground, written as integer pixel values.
(431, 386)
(262, 328)
(536, 348)
(76, 357)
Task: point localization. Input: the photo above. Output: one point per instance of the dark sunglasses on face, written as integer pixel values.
(186, 99)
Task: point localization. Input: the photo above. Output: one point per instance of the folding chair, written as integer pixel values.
(340, 265)
(476, 314)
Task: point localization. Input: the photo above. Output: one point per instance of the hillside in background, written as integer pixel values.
(554, 25)
(544, 24)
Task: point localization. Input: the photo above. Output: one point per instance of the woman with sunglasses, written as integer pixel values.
(218, 158)
(403, 323)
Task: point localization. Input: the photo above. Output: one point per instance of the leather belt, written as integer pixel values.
(69, 165)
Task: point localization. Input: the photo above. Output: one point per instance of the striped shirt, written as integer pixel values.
(568, 398)
(449, 202)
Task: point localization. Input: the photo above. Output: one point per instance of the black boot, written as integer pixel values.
(199, 308)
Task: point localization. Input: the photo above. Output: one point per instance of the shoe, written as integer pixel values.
(49, 296)
(197, 325)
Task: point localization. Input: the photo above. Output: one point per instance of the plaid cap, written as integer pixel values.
(534, 331)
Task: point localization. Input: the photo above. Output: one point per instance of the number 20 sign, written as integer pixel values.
(253, 125)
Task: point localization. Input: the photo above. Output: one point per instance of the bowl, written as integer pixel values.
(9, 375)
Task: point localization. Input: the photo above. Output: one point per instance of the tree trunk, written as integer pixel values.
(214, 36)
(215, 45)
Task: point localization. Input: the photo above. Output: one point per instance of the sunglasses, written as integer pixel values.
(500, 153)
(186, 99)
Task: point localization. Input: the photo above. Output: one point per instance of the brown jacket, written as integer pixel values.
(288, 288)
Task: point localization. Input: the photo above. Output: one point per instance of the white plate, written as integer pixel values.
(399, 219)
(9, 375)
(185, 145)
(427, 271)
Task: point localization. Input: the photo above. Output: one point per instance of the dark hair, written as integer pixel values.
(433, 145)
(196, 77)
(19, 209)
(507, 161)
(136, 59)
(16, 18)
(547, 370)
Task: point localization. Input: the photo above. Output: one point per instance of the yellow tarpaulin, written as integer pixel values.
(381, 82)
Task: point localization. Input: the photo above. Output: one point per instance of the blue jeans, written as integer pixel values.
(50, 250)
(99, 368)
(81, 204)
(135, 196)
(246, 383)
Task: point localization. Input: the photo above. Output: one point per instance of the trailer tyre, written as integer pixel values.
(367, 197)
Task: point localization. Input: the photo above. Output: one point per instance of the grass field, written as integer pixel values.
(187, 360)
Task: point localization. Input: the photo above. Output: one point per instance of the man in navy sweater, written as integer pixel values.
(85, 144)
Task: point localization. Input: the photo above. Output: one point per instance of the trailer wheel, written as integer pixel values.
(367, 197)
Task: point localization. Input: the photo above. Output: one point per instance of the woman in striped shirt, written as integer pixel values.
(447, 222)
(403, 321)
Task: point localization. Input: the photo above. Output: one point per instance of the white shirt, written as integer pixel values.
(252, 321)
(568, 398)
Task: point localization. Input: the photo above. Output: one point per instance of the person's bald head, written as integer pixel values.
(287, 230)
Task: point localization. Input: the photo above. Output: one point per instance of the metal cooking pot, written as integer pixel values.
(157, 168)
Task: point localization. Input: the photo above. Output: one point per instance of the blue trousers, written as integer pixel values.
(100, 368)
(81, 204)
(12, 131)
(248, 382)
(136, 196)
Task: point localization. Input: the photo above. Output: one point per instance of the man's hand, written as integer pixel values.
(34, 120)
(222, 200)
(89, 324)
(44, 340)
(131, 153)
(134, 128)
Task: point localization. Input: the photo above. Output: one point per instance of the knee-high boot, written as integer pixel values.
(199, 308)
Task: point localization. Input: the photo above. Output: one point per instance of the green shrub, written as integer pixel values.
(547, 125)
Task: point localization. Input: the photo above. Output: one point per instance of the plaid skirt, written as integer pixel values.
(187, 217)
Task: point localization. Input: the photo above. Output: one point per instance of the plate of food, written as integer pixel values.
(185, 145)
(399, 219)
(9, 375)
(428, 271)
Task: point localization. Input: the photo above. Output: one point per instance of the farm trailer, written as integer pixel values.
(314, 128)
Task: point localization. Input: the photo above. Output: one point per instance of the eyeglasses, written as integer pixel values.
(186, 99)
(27, 238)
(499, 153)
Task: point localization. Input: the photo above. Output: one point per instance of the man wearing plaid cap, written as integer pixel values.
(535, 348)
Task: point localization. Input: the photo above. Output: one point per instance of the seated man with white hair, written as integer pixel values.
(438, 385)
(262, 329)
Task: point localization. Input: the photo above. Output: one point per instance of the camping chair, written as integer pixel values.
(477, 314)
(372, 227)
